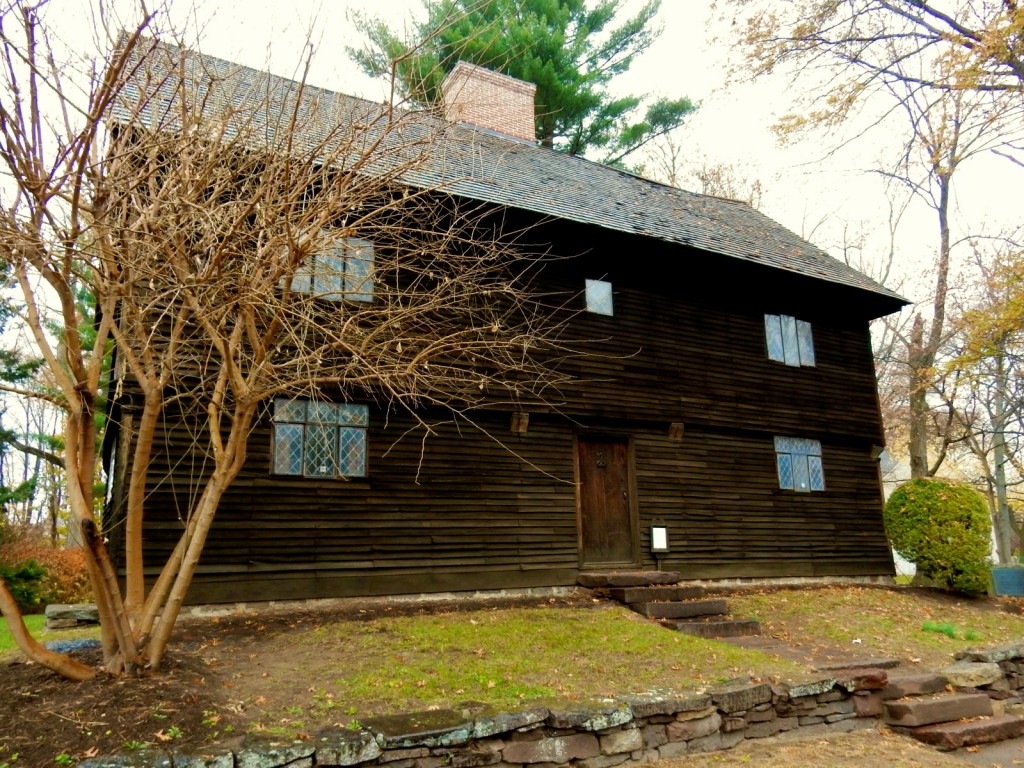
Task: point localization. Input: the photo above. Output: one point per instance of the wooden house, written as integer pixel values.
(733, 402)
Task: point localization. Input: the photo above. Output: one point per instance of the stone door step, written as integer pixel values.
(859, 663)
(682, 610)
(944, 708)
(913, 684)
(602, 579)
(970, 732)
(630, 595)
(711, 628)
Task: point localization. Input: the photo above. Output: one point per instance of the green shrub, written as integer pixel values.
(943, 528)
(25, 582)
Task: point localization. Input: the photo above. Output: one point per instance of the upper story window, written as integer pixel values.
(599, 297)
(341, 271)
(799, 464)
(319, 439)
(790, 341)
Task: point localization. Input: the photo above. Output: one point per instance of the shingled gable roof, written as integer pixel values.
(479, 165)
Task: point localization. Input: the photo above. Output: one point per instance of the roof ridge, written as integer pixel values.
(482, 166)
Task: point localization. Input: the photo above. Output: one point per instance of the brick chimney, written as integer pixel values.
(489, 100)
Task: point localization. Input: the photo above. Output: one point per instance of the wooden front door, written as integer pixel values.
(606, 518)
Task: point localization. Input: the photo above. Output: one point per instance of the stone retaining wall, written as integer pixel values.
(598, 734)
(998, 672)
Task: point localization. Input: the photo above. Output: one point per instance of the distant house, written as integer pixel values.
(733, 402)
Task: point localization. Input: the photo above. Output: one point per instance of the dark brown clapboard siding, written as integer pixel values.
(662, 360)
(467, 523)
(463, 512)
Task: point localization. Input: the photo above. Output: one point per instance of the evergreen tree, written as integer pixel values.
(570, 49)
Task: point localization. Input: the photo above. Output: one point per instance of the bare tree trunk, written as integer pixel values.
(135, 593)
(44, 657)
(917, 443)
(1005, 524)
(232, 459)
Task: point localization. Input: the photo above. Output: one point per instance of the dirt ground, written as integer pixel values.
(222, 675)
(217, 679)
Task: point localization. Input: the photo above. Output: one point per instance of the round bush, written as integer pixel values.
(944, 529)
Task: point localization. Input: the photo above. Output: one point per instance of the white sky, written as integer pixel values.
(815, 195)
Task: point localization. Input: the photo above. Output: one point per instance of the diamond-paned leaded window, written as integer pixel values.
(789, 340)
(342, 271)
(799, 464)
(319, 439)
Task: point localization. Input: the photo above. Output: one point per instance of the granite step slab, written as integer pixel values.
(904, 684)
(681, 609)
(943, 708)
(967, 733)
(630, 595)
(604, 579)
(859, 662)
(713, 628)
(60, 616)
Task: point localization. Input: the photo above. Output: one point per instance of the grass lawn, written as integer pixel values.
(36, 624)
(497, 658)
(918, 626)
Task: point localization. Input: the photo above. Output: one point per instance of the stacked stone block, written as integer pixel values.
(601, 734)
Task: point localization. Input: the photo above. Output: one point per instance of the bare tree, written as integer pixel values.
(243, 238)
(669, 162)
(954, 93)
(978, 41)
(989, 354)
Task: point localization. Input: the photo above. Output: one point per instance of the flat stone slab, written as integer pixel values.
(594, 580)
(882, 663)
(262, 752)
(60, 616)
(995, 655)
(730, 628)
(740, 697)
(682, 610)
(342, 747)
(654, 703)
(589, 716)
(913, 684)
(971, 732)
(866, 679)
(943, 708)
(439, 728)
(491, 724)
(630, 595)
(972, 674)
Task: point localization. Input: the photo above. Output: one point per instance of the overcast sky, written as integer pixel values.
(818, 195)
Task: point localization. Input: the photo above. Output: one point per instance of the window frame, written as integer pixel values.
(598, 296)
(789, 340)
(332, 425)
(799, 465)
(337, 280)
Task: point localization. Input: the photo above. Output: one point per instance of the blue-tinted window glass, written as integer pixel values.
(599, 297)
(799, 464)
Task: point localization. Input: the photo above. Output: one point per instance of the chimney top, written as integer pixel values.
(490, 100)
